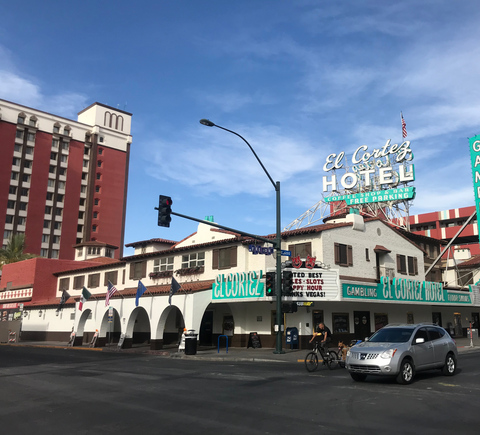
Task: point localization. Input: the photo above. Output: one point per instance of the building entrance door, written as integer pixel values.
(206, 329)
(361, 322)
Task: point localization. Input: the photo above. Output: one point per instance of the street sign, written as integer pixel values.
(286, 253)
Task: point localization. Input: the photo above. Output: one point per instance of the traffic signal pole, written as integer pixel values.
(278, 239)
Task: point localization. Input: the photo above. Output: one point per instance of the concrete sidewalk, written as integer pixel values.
(213, 354)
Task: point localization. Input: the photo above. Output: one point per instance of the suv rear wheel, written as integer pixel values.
(407, 372)
(450, 366)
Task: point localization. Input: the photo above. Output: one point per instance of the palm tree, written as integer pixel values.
(14, 250)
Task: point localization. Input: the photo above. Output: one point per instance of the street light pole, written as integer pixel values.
(278, 239)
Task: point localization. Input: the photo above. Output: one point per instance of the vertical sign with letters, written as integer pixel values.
(475, 156)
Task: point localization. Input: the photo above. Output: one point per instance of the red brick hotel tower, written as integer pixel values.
(63, 182)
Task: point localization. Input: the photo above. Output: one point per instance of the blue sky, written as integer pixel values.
(298, 79)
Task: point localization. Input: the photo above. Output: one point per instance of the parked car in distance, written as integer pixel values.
(401, 350)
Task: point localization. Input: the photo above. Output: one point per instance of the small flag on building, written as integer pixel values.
(173, 289)
(83, 298)
(141, 289)
(111, 289)
(63, 300)
(404, 126)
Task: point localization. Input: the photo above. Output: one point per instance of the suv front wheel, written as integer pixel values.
(407, 372)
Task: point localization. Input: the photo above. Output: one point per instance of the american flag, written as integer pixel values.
(111, 290)
(404, 127)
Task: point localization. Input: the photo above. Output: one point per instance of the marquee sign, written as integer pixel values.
(373, 170)
(314, 285)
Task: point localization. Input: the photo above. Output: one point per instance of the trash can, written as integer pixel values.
(292, 337)
(191, 342)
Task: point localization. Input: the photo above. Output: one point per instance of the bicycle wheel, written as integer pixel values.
(311, 361)
(332, 359)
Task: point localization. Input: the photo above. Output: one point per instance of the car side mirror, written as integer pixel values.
(419, 340)
(366, 338)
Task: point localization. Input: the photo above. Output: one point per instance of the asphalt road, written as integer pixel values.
(67, 391)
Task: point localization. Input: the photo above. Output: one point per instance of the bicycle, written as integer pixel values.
(329, 358)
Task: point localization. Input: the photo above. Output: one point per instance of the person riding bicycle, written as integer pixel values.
(325, 334)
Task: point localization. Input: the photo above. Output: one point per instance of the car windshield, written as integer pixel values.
(391, 335)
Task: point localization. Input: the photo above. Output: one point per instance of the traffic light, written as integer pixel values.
(270, 284)
(164, 210)
(287, 283)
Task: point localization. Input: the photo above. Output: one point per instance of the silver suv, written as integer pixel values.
(401, 350)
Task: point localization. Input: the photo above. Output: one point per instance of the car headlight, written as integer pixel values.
(388, 354)
(348, 352)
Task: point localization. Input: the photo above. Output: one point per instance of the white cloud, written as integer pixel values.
(18, 88)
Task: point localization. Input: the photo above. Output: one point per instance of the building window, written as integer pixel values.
(64, 158)
(49, 196)
(367, 254)
(65, 145)
(23, 206)
(82, 202)
(7, 234)
(81, 215)
(59, 197)
(108, 253)
(412, 266)
(44, 252)
(29, 150)
(94, 228)
(19, 134)
(32, 122)
(192, 260)
(96, 201)
(24, 191)
(62, 171)
(52, 169)
(16, 161)
(21, 119)
(58, 211)
(97, 189)
(14, 176)
(100, 151)
(340, 323)
(84, 175)
(54, 253)
(61, 185)
(18, 148)
(162, 264)
(111, 276)
(224, 258)
(401, 264)
(45, 238)
(12, 190)
(95, 215)
(78, 281)
(46, 224)
(64, 284)
(99, 163)
(27, 164)
(302, 249)
(99, 176)
(56, 128)
(55, 143)
(48, 209)
(10, 204)
(31, 136)
(22, 220)
(8, 219)
(93, 280)
(57, 226)
(343, 254)
(138, 270)
(26, 178)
